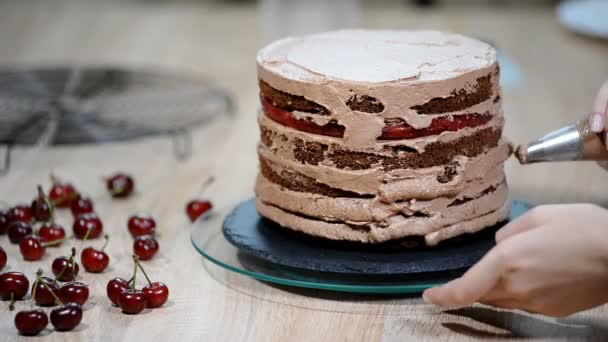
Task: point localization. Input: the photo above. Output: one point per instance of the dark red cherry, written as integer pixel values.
(62, 194)
(20, 213)
(141, 224)
(145, 247)
(3, 258)
(82, 205)
(156, 294)
(132, 301)
(120, 185)
(31, 248)
(74, 292)
(88, 222)
(17, 231)
(95, 260)
(197, 208)
(67, 317)
(31, 322)
(51, 232)
(41, 294)
(64, 269)
(13, 284)
(115, 288)
(4, 221)
(41, 207)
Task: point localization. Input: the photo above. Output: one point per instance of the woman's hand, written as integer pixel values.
(553, 260)
(598, 119)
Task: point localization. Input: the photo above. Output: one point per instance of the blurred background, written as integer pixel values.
(78, 71)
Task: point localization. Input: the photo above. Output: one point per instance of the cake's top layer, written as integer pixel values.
(376, 56)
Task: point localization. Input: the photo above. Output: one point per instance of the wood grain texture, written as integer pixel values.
(219, 41)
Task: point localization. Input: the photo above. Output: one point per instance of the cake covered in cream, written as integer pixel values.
(373, 136)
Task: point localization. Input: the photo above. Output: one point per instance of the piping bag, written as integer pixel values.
(570, 143)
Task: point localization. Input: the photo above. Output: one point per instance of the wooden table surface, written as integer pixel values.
(562, 72)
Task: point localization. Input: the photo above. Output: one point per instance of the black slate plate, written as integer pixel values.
(263, 239)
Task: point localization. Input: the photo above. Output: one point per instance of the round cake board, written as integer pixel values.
(260, 238)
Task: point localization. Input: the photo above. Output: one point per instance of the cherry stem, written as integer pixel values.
(56, 242)
(73, 263)
(134, 274)
(50, 290)
(86, 235)
(44, 197)
(206, 184)
(11, 306)
(136, 261)
(107, 237)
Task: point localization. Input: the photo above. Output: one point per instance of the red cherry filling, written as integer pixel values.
(394, 129)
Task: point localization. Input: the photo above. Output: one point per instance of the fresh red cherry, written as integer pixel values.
(120, 185)
(17, 231)
(141, 224)
(13, 285)
(3, 258)
(156, 294)
(31, 322)
(41, 207)
(51, 232)
(4, 221)
(88, 225)
(41, 291)
(115, 288)
(95, 260)
(74, 292)
(20, 213)
(197, 208)
(65, 268)
(62, 194)
(31, 248)
(132, 301)
(82, 205)
(145, 247)
(66, 317)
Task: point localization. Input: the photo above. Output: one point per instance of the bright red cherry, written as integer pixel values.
(87, 223)
(74, 292)
(41, 207)
(31, 322)
(3, 258)
(141, 224)
(82, 205)
(132, 301)
(62, 194)
(145, 247)
(41, 294)
(197, 208)
(13, 285)
(51, 232)
(156, 294)
(31, 248)
(66, 317)
(120, 185)
(115, 288)
(17, 231)
(4, 221)
(20, 213)
(95, 260)
(65, 268)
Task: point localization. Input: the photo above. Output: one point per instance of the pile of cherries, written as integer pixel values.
(34, 228)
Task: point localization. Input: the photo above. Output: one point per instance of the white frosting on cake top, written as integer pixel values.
(376, 56)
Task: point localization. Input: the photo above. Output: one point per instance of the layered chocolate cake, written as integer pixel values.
(372, 136)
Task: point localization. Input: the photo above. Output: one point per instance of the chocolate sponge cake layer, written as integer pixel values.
(290, 102)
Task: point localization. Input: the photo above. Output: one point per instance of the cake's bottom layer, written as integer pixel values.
(435, 228)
